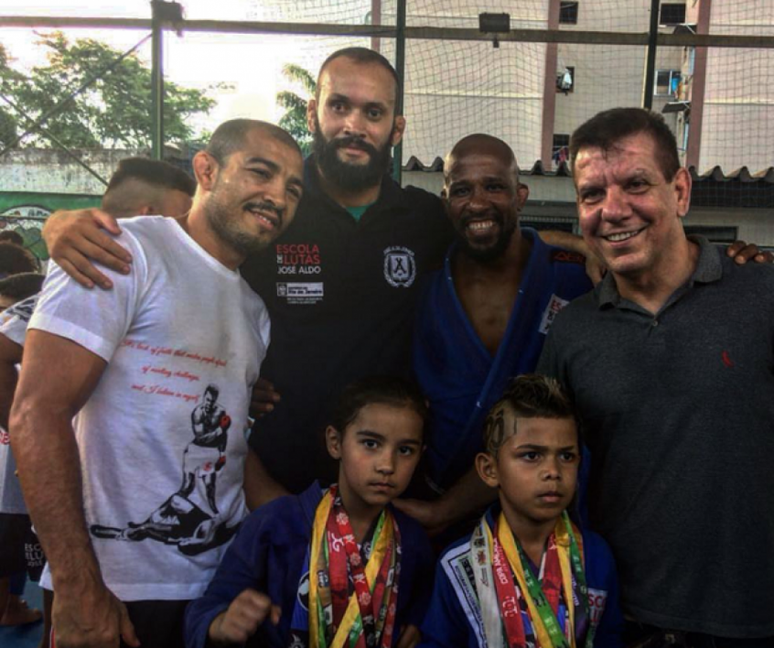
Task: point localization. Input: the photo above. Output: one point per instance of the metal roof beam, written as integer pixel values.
(382, 31)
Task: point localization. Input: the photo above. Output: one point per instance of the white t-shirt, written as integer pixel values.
(183, 337)
(13, 324)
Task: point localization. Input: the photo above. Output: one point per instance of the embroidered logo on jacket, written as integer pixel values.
(298, 259)
(400, 268)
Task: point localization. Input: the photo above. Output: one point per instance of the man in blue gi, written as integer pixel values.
(483, 318)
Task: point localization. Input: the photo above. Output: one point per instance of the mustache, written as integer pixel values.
(266, 207)
(354, 141)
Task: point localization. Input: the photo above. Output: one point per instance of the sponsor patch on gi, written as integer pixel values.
(555, 304)
(300, 293)
(597, 602)
(400, 268)
(565, 256)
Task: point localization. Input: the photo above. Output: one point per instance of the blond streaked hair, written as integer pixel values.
(527, 396)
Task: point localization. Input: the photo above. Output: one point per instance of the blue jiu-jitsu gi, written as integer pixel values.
(455, 370)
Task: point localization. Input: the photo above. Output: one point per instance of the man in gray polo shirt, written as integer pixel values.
(670, 363)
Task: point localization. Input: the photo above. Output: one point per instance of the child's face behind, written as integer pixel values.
(536, 470)
(378, 453)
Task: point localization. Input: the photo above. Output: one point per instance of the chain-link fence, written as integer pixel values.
(707, 65)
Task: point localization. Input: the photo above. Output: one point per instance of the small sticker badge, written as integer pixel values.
(555, 304)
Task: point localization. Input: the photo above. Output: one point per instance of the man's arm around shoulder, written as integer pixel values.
(57, 378)
(78, 239)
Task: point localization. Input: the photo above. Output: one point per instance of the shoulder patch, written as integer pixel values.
(565, 256)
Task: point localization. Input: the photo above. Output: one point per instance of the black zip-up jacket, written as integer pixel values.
(341, 294)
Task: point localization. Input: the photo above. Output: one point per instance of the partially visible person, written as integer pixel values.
(19, 287)
(527, 576)
(139, 186)
(143, 187)
(670, 362)
(19, 549)
(15, 260)
(11, 236)
(325, 567)
(128, 364)
(482, 319)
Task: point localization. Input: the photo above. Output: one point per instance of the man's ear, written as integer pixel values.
(311, 111)
(333, 442)
(205, 170)
(682, 186)
(486, 467)
(398, 128)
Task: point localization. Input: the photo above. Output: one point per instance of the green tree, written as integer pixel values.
(8, 124)
(114, 111)
(294, 119)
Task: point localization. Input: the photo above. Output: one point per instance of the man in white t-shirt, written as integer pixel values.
(133, 363)
(138, 186)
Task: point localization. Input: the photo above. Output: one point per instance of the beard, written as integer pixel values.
(227, 227)
(491, 252)
(344, 175)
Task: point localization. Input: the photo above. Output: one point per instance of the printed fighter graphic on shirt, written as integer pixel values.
(205, 455)
(189, 517)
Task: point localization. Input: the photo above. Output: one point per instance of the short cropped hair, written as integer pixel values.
(11, 236)
(607, 128)
(382, 390)
(122, 198)
(15, 260)
(361, 56)
(229, 137)
(528, 396)
(21, 286)
(154, 172)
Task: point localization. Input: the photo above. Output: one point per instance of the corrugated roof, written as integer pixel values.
(715, 174)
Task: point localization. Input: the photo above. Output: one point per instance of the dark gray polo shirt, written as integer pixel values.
(678, 411)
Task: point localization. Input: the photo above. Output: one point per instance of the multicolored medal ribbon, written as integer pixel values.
(514, 585)
(351, 604)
